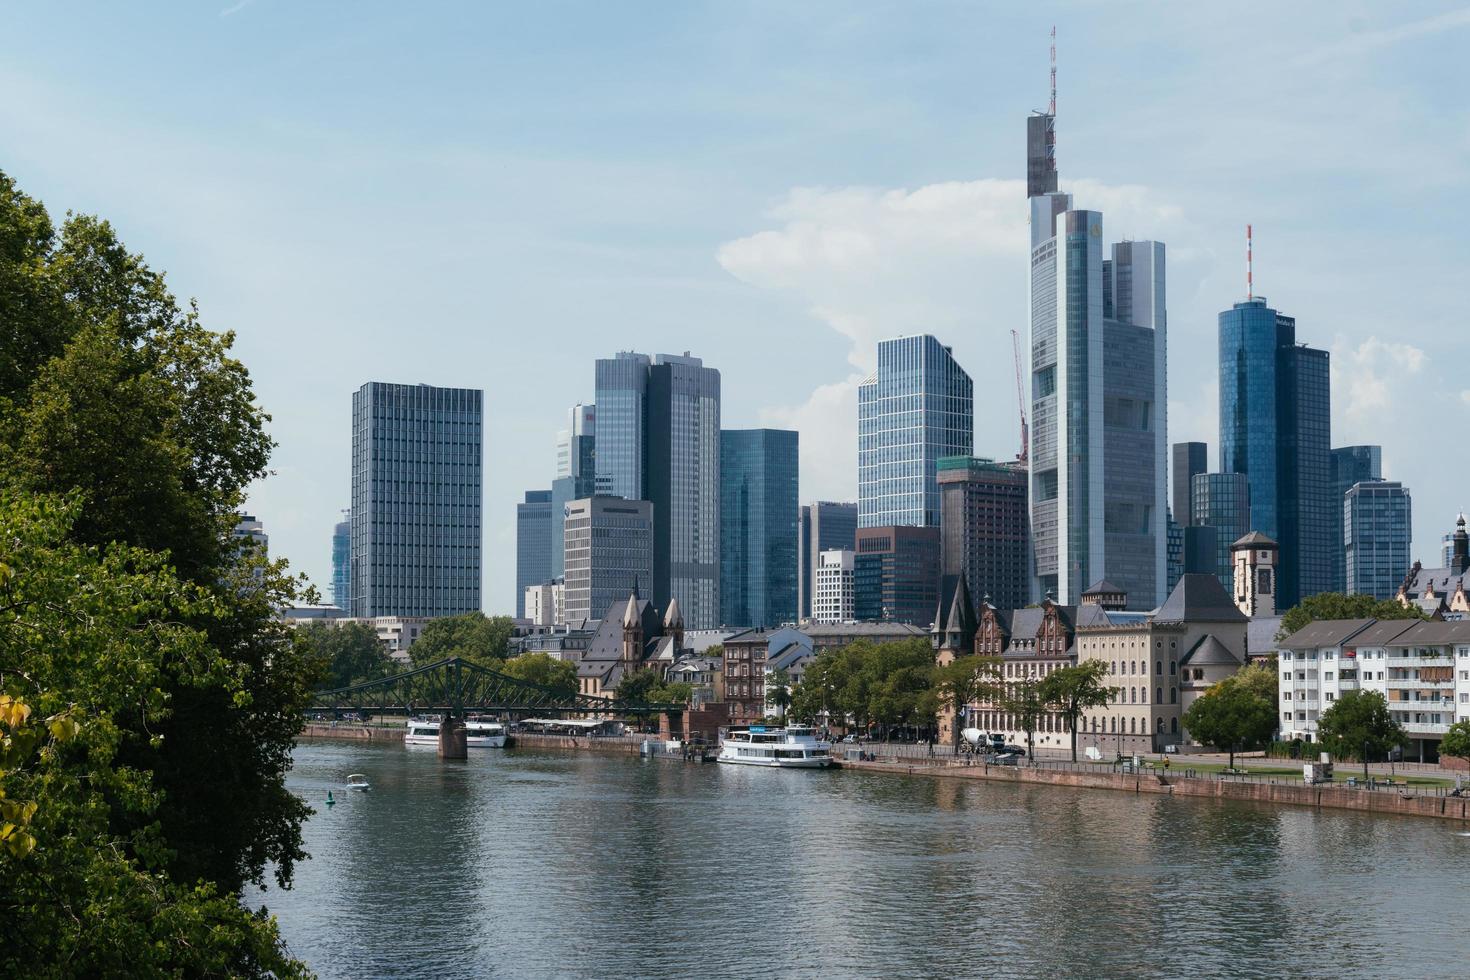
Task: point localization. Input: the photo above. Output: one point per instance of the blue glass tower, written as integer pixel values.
(1275, 427)
(342, 563)
(1221, 502)
(758, 527)
(1377, 516)
(533, 544)
(1350, 466)
(918, 408)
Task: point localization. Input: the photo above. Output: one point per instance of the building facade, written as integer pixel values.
(342, 563)
(825, 526)
(545, 604)
(1222, 502)
(984, 524)
(533, 545)
(416, 500)
(896, 574)
(758, 527)
(916, 409)
(1377, 527)
(576, 475)
(1349, 466)
(1189, 459)
(833, 598)
(1275, 427)
(609, 551)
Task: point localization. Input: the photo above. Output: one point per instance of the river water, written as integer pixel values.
(525, 863)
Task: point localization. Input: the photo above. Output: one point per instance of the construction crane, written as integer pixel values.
(1021, 399)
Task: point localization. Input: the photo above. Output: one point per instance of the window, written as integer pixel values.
(1327, 675)
(1160, 728)
(1159, 667)
(1172, 665)
(1330, 696)
(1286, 675)
(1158, 695)
(1173, 692)
(1286, 716)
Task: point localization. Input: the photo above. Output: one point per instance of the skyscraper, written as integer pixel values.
(896, 574)
(984, 528)
(1099, 500)
(342, 563)
(758, 527)
(416, 465)
(658, 439)
(1275, 427)
(916, 409)
(1377, 517)
(1189, 459)
(1349, 465)
(576, 474)
(825, 526)
(533, 545)
(1222, 502)
(832, 594)
(609, 544)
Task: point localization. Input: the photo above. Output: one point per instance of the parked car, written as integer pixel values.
(1014, 750)
(850, 740)
(1006, 759)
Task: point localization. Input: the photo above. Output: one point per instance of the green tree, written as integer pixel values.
(1024, 700)
(1456, 741)
(963, 681)
(1232, 716)
(345, 654)
(1358, 723)
(1073, 690)
(778, 690)
(544, 669)
(1336, 605)
(480, 639)
(1260, 677)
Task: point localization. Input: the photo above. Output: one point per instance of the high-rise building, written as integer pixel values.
(1275, 427)
(758, 527)
(658, 439)
(1349, 465)
(1222, 502)
(896, 574)
(416, 470)
(546, 603)
(609, 543)
(576, 474)
(984, 527)
(825, 526)
(533, 545)
(342, 562)
(1099, 498)
(832, 600)
(249, 530)
(1189, 460)
(916, 409)
(1376, 525)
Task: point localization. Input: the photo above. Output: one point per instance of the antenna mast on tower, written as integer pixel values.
(1052, 109)
(1249, 285)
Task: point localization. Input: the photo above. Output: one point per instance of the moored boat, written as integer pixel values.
(777, 748)
(478, 734)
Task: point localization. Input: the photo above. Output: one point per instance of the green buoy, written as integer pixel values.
(330, 801)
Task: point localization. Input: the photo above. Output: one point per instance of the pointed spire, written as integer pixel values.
(630, 611)
(674, 618)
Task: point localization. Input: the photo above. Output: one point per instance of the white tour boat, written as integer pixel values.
(785, 748)
(478, 734)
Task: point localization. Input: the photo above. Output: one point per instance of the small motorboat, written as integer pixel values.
(358, 781)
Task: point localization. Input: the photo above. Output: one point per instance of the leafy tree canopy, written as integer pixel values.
(1336, 605)
(475, 637)
(1233, 716)
(1456, 741)
(1358, 725)
(1072, 690)
(345, 654)
(543, 669)
(869, 683)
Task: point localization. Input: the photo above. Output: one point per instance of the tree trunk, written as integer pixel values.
(1232, 757)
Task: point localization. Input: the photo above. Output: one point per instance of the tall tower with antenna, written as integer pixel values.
(1041, 140)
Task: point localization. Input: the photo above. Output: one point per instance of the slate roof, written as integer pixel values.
(1260, 635)
(1103, 587)
(1325, 633)
(1443, 580)
(1432, 633)
(1255, 539)
(1381, 633)
(788, 656)
(1199, 598)
(1210, 652)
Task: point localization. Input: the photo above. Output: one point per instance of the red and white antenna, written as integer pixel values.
(1052, 110)
(1249, 285)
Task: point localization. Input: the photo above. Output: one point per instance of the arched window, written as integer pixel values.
(1174, 725)
(1158, 667)
(1172, 665)
(1173, 691)
(1132, 726)
(1133, 695)
(1158, 695)
(1132, 667)
(1115, 725)
(1161, 726)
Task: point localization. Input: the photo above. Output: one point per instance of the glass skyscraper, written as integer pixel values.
(576, 475)
(1377, 517)
(918, 408)
(622, 387)
(1275, 427)
(896, 575)
(1350, 465)
(416, 496)
(825, 526)
(985, 529)
(1189, 459)
(1222, 501)
(533, 545)
(342, 563)
(758, 527)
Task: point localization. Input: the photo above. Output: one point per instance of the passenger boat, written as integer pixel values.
(783, 748)
(478, 734)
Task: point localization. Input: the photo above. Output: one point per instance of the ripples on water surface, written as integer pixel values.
(527, 864)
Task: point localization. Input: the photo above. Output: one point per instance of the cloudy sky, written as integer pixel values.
(494, 195)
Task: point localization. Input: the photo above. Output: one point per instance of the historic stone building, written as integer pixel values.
(628, 639)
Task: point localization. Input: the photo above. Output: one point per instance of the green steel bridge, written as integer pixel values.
(459, 688)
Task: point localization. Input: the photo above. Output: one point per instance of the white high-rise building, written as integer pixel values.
(832, 595)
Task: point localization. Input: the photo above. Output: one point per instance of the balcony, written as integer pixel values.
(1426, 705)
(1425, 728)
(1408, 685)
(1441, 661)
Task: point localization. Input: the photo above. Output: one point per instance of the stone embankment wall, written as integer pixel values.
(1407, 803)
(360, 733)
(613, 745)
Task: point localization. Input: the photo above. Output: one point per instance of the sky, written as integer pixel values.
(494, 195)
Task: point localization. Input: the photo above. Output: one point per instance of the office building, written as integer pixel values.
(984, 528)
(1189, 460)
(896, 574)
(1222, 502)
(342, 563)
(1349, 466)
(658, 435)
(545, 604)
(1275, 427)
(250, 532)
(416, 494)
(758, 527)
(533, 545)
(825, 526)
(832, 600)
(1174, 552)
(576, 474)
(1200, 550)
(918, 408)
(609, 542)
(1376, 537)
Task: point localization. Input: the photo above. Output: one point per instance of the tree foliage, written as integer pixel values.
(963, 681)
(1073, 690)
(1358, 724)
(1456, 741)
(544, 669)
(345, 654)
(1026, 702)
(480, 639)
(1336, 605)
(1232, 716)
(869, 683)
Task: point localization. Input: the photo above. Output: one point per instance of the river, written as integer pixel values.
(526, 863)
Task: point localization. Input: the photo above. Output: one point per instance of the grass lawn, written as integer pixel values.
(1341, 773)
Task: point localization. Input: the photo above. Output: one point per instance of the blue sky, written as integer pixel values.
(494, 195)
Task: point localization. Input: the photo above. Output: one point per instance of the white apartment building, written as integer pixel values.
(546, 603)
(832, 593)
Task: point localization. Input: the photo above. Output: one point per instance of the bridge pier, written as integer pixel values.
(453, 742)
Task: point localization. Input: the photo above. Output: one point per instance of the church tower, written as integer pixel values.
(1254, 559)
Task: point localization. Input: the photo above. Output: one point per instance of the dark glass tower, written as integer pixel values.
(985, 529)
(1275, 427)
(1222, 503)
(1189, 460)
(758, 527)
(1351, 465)
(533, 544)
(342, 563)
(825, 526)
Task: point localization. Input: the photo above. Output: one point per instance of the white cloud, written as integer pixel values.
(1366, 377)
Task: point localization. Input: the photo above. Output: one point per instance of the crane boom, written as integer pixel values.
(1021, 399)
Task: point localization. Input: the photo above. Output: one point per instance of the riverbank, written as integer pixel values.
(1406, 803)
(615, 745)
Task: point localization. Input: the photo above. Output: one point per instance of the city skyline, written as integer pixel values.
(784, 261)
